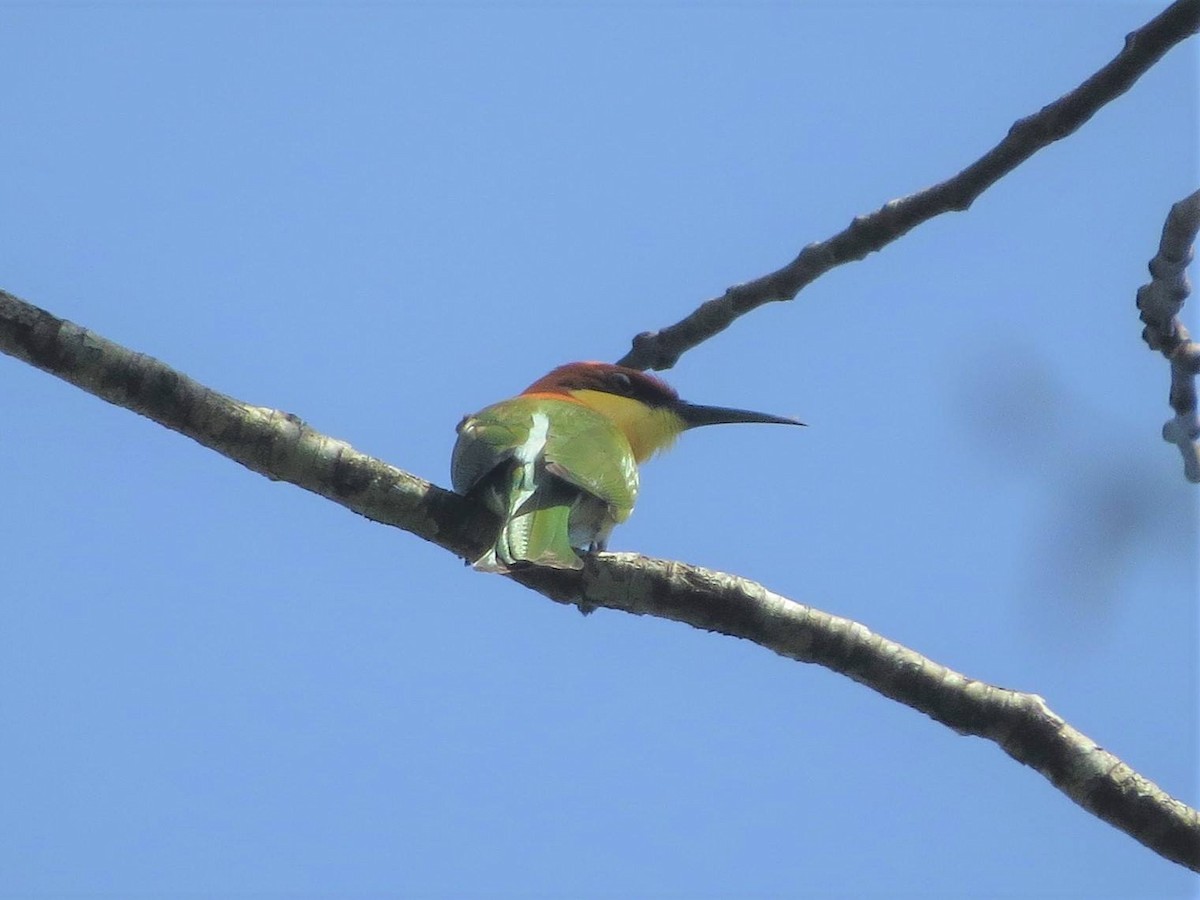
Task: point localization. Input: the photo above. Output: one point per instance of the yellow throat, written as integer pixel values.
(647, 428)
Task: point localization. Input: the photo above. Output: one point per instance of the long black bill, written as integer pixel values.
(695, 416)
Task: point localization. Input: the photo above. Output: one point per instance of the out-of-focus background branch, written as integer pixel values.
(1160, 302)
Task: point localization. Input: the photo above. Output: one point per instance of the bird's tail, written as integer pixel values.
(537, 521)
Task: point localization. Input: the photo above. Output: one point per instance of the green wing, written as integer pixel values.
(587, 450)
(485, 442)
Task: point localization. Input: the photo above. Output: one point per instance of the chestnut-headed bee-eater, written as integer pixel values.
(559, 462)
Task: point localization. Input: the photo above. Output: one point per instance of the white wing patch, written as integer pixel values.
(527, 455)
(535, 443)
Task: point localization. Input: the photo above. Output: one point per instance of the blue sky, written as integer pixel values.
(381, 217)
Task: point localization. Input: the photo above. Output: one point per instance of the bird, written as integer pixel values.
(558, 463)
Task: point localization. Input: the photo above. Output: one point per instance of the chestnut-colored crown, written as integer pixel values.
(606, 378)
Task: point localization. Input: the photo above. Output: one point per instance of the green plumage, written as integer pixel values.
(558, 473)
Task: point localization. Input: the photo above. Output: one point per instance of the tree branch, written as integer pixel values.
(1160, 302)
(272, 443)
(280, 446)
(866, 234)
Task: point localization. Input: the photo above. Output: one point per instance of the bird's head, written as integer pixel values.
(646, 409)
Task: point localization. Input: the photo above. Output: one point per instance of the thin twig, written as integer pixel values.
(280, 446)
(866, 234)
(1160, 302)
